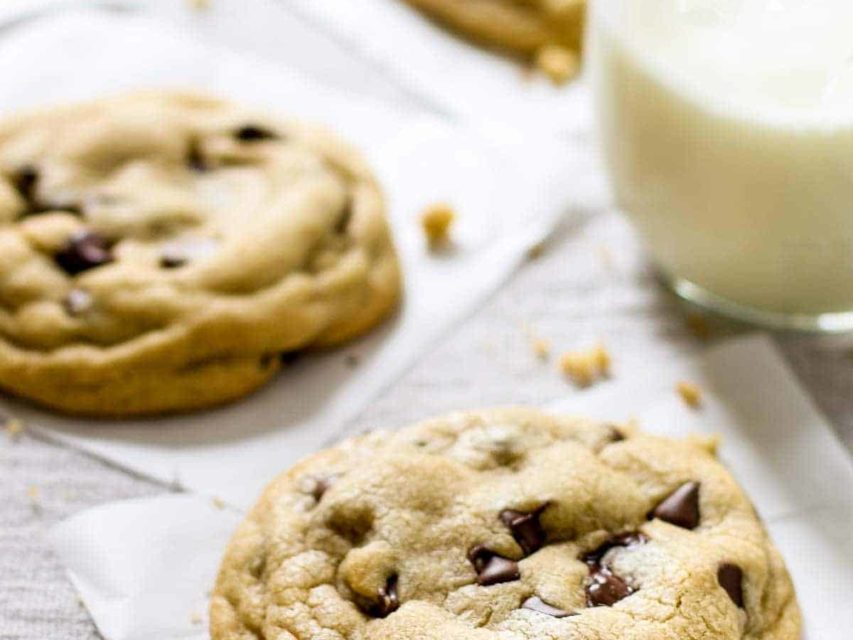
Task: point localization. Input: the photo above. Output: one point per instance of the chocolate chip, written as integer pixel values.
(615, 434)
(681, 508)
(25, 181)
(627, 540)
(492, 568)
(535, 603)
(730, 577)
(388, 600)
(84, 250)
(195, 158)
(525, 528)
(179, 253)
(253, 133)
(322, 485)
(171, 260)
(77, 302)
(606, 588)
(343, 220)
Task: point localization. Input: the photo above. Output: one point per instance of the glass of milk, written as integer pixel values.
(728, 132)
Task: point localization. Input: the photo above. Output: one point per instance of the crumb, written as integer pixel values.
(198, 4)
(14, 428)
(690, 393)
(34, 494)
(559, 63)
(196, 618)
(352, 361)
(436, 222)
(542, 348)
(586, 366)
(219, 503)
(698, 325)
(536, 251)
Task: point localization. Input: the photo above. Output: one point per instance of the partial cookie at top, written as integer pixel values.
(505, 525)
(549, 32)
(159, 251)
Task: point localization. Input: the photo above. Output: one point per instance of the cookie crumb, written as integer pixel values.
(198, 5)
(196, 618)
(536, 251)
(690, 393)
(558, 63)
(698, 325)
(436, 221)
(14, 428)
(606, 256)
(586, 366)
(541, 348)
(218, 502)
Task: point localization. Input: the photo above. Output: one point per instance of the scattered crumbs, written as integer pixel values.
(196, 618)
(198, 4)
(14, 428)
(219, 503)
(34, 494)
(541, 348)
(690, 393)
(698, 325)
(558, 63)
(352, 360)
(536, 251)
(586, 366)
(80, 602)
(436, 222)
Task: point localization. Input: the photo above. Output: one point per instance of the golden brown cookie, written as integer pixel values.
(505, 525)
(160, 251)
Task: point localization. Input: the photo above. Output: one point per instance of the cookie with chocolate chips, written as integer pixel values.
(508, 525)
(159, 250)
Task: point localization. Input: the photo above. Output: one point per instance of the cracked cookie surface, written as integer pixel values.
(160, 250)
(505, 525)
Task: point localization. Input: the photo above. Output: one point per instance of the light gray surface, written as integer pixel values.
(591, 282)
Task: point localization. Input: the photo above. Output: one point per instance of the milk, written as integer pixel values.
(728, 129)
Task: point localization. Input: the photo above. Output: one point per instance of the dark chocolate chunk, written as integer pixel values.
(25, 181)
(84, 250)
(535, 603)
(730, 577)
(630, 539)
(195, 158)
(386, 602)
(77, 302)
(322, 485)
(253, 133)
(681, 508)
(615, 434)
(343, 220)
(606, 588)
(492, 568)
(525, 528)
(171, 259)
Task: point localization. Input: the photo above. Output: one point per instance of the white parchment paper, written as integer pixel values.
(509, 190)
(445, 69)
(144, 567)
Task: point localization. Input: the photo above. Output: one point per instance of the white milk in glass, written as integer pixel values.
(728, 129)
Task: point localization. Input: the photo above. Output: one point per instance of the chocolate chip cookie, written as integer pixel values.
(506, 524)
(549, 32)
(161, 251)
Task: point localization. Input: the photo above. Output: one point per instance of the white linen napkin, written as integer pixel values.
(143, 567)
(442, 67)
(509, 190)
